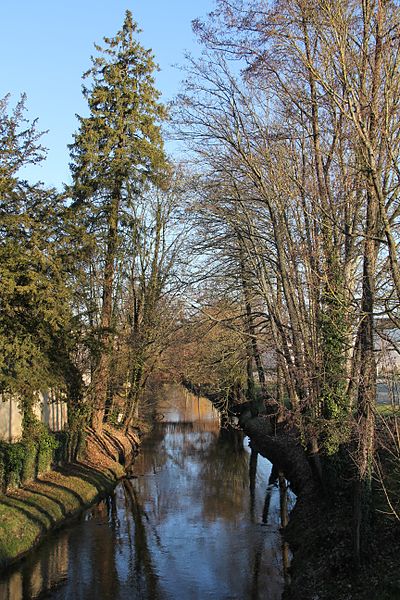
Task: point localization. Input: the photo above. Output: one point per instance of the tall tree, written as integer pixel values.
(34, 308)
(116, 152)
(323, 164)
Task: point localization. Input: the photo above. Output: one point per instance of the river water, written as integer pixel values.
(196, 520)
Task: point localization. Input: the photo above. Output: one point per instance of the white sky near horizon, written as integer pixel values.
(45, 47)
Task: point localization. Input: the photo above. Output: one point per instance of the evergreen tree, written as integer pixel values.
(34, 299)
(117, 150)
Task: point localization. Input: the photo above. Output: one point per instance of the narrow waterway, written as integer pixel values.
(197, 519)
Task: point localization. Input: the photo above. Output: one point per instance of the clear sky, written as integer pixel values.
(45, 46)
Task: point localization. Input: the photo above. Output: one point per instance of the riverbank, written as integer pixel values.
(190, 498)
(319, 532)
(29, 513)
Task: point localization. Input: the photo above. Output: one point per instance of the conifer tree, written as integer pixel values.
(117, 150)
(34, 306)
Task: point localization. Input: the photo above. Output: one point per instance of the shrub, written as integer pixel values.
(2, 470)
(23, 461)
(14, 458)
(47, 444)
(61, 451)
(29, 468)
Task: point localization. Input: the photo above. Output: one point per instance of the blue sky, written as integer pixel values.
(45, 46)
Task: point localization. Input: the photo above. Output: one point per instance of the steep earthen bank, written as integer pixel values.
(27, 514)
(320, 526)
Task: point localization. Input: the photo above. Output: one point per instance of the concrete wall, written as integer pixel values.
(50, 409)
(53, 410)
(10, 419)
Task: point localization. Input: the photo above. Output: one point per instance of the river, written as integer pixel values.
(196, 520)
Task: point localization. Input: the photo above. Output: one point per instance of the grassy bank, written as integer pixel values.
(27, 514)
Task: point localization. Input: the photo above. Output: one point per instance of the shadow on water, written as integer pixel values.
(198, 518)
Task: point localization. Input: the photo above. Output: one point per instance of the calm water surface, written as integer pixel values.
(196, 521)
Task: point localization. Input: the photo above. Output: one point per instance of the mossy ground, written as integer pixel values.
(28, 513)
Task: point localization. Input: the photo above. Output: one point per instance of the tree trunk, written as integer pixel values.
(133, 396)
(367, 386)
(102, 372)
(251, 330)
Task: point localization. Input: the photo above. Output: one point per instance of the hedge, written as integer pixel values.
(25, 460)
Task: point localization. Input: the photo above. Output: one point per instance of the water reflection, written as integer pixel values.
(39, 576)
(198, 519)
(143, 572)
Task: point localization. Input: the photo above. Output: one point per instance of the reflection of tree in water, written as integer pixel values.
(256, 591)
(170, 455)
(272, 481)
(252, 486)
(225, 475)
(222, 480)
(40, 573)
(173, 442)
(101, 548)
(216, 458)
(149, 451)
(192, 501)
(146, 580)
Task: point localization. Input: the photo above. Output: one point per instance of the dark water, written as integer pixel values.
(197, 520)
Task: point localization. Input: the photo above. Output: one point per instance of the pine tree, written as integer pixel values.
(116, 151)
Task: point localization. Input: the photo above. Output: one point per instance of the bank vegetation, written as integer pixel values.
(265, 269)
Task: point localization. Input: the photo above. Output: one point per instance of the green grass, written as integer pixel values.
(27, 514)
(388, 410)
